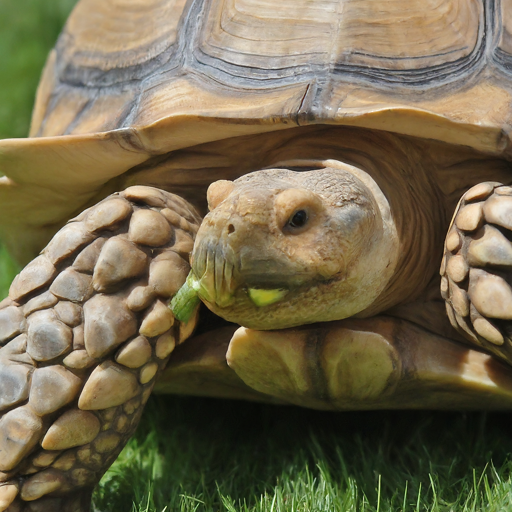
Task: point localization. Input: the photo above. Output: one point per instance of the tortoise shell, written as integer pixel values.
(130, 80)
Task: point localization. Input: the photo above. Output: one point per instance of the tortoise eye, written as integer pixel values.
(298, 219)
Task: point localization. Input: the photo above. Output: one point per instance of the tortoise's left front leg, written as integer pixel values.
(477, 268)
(83, 335)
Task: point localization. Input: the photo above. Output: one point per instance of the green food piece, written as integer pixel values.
(184, 303)
(262, 297)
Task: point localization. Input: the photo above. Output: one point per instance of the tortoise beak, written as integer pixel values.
(213, 264)
(233, 253)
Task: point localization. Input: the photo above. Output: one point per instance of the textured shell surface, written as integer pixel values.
(336, 61)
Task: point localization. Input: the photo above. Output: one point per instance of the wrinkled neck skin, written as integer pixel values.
(338, 264)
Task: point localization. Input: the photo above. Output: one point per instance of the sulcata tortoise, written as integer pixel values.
(336, 144)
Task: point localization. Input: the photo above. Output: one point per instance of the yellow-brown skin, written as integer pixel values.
(333, 266)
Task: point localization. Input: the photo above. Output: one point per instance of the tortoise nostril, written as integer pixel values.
(231, 229)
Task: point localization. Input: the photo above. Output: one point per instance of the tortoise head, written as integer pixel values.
(282, 247)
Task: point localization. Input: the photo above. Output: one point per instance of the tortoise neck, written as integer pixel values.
(405, 175)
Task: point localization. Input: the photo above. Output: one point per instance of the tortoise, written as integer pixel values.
(336, 146)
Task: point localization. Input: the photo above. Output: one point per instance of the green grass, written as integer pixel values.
(206, 455)
(28, 30)
(8, 269)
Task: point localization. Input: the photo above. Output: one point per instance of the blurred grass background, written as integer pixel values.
(211, 455)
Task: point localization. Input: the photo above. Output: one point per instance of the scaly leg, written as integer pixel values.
(83, 334)
(476, 268)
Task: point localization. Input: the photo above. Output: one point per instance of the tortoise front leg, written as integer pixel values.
(83, 334)
(476, 268)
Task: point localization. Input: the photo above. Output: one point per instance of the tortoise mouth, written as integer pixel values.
(214, 269)
(223, 277)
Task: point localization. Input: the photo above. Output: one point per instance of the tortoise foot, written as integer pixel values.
(477, 268)
(77, 502)
(83, 335)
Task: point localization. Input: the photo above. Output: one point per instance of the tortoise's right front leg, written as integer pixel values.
(83, 334)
